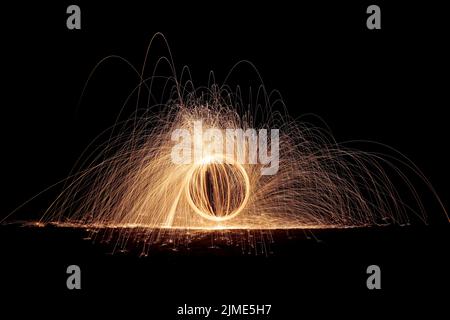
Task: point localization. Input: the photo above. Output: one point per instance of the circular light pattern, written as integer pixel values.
(218, 189)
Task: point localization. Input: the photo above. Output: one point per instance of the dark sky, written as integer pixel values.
(383, 85)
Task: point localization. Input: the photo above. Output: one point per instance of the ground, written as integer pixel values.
(300, 270)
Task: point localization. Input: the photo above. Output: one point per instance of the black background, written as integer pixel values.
(387, 85)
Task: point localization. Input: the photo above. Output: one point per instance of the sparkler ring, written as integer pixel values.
(196, 189)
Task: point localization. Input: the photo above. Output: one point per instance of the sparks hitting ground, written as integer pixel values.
(133, 181)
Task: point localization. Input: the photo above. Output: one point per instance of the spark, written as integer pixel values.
(137, 189)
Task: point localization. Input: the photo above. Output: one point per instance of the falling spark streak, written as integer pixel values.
(136, 187)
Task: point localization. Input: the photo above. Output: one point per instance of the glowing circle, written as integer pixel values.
(218, 190)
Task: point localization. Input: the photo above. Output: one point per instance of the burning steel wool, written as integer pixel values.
(205, 160)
